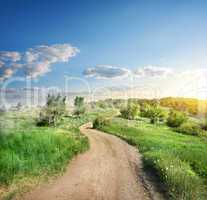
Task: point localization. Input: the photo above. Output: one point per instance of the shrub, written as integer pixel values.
(176, 118)
(100, 121)
(189, 128)
(203, 125)
(145, 110)
(157, 114)
(154, 112)
(130, 111)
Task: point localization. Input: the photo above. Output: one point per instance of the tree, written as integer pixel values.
(79, 106)
(130, 111)
(18, 106)
(53, 110)
(176, 118)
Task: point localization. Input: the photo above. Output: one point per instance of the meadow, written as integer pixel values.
(178, 160)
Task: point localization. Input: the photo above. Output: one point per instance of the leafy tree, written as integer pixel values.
(18, 106)
(130, 111)
(79, 106)
(176, 118)
(53, 110)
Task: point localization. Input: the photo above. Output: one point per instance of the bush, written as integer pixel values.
(203, 125)
(157, 114)
(101, 121)
(130, 112)
(189, 128)
(176, 118)
(145, 110)
(154, 112)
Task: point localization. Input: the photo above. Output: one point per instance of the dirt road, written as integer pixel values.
(110, 170)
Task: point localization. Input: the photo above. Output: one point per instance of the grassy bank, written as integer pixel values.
(179, 160)
(30, 154)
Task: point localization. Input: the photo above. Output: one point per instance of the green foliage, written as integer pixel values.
(180, 160)
(79, 106)
(189, 128)
(100, 121)
(154, 112)
(130, 111)
(203, 125)
(157, 114)
(79, 101)
(54, 109)
(176, 118)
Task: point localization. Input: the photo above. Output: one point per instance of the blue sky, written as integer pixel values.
(115, 35)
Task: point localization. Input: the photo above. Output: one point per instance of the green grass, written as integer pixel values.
(35, 153)
(179, 160)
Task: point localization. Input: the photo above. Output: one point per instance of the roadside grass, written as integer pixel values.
(29, 154)
(179, 160)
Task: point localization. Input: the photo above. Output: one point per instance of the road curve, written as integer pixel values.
(110, 170)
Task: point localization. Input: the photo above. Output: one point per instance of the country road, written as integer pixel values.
(110, 170)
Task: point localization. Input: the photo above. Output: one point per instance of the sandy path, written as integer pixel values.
(110, 170)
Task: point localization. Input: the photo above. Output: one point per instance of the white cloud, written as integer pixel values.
(152, 71)
(39, 59)
(35, 61)
(106, 72)
(10, 56)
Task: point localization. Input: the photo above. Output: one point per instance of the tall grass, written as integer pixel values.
(26, 154)
(29, 152)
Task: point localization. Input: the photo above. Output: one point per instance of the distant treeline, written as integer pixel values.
(189, 105)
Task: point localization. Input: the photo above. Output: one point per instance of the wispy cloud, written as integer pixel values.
(12, 56)
(35, 61)
(106, 72)
(152, 71)
(40, 58)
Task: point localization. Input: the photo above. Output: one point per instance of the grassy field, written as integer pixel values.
(180, 161)
(30, 154)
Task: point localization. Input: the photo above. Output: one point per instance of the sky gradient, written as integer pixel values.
(108, 43)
